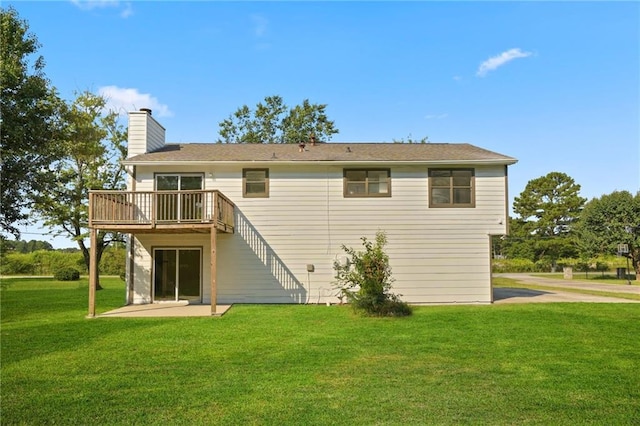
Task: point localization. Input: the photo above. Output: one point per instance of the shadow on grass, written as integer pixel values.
(33, 340)
(501, 293)
(47, 299)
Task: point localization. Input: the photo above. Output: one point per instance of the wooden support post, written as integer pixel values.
(130, 267)
(214, 269)
(491, 268)
(93, 273)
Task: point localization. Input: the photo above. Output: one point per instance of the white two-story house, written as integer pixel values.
(264, 223)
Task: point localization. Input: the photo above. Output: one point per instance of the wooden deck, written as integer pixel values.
(161, 211)
(164, 212)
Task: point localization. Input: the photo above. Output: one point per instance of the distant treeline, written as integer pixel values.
(48, 261)
(24, 246)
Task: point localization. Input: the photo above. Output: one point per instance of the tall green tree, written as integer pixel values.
(548, 208)
(518, 244)
(552, 202)
(273, 122)
(29, 119)
(93, 146)
(609, 221)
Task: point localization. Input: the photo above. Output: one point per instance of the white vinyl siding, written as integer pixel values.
(145, 134)
(436, 255)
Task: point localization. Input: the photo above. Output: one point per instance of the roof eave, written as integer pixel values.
(506, 162)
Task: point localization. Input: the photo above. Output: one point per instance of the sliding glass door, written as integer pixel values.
(177, 274)
(180, 203)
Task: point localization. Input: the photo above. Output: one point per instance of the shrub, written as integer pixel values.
(366, 280)
(18, 264)
(543, 265)
(513, 265)
(113, 261)
(394, 307)
(567, 261)
(602, 267)
(67, 274)
(52, 261)
(601, 264)
(40, 262)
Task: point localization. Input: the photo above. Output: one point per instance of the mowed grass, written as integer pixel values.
(290, 364)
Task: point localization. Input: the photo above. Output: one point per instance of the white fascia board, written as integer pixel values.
(323, 162)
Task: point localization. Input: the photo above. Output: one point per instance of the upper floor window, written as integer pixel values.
(367, 183)
(255, 183)
(451, 188)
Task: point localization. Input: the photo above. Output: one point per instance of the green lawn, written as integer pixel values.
(287, 364)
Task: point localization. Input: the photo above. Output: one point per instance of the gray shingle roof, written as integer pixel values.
(340, 152)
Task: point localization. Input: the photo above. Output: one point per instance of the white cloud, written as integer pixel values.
(127, 11)
(260, 24)
(95, 4)
(127, 8)
(499, 60)
(436, 116)
(121, 100)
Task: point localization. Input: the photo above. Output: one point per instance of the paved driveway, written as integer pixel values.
(521, 295)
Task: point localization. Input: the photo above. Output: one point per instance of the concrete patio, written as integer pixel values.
(170, 309)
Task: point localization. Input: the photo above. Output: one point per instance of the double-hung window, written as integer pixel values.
(255, 183)
(367, 183)
(452, 188)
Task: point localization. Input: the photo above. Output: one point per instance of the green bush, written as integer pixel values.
(394, 307)
(67, 274)
(366, 280)
(18, 264)
(600, 264)
(40, 262)
(113, 262)
(543, 265)
(52, 261)
(513, 265)
(568, 261)
(602, 267)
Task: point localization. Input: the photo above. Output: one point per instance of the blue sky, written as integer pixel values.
(554, 84)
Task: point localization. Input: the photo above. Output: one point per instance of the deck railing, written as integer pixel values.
(121, 209)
